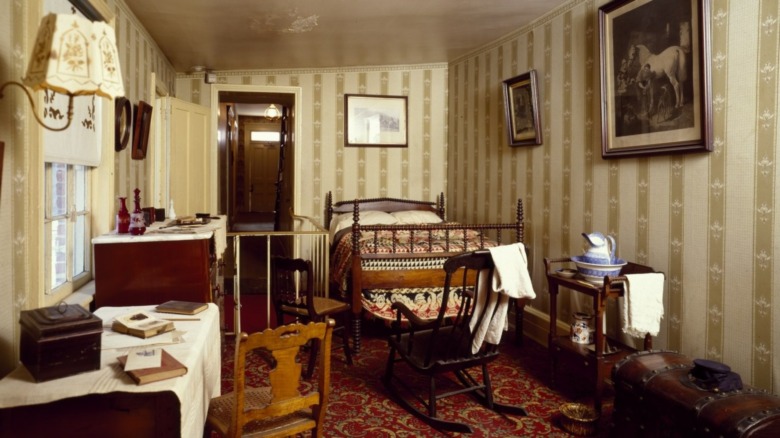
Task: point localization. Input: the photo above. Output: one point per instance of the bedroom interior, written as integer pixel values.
(705, 219)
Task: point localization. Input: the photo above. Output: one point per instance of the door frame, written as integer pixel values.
(296, 132)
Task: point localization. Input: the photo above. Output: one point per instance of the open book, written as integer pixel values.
(141, 324)
(169, 368)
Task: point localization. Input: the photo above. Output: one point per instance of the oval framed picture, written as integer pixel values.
(123, 122)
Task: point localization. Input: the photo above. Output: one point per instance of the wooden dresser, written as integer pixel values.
(165, 263)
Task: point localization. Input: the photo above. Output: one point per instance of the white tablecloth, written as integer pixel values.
(200, 352)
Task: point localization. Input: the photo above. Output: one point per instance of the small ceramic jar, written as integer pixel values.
(580, 329)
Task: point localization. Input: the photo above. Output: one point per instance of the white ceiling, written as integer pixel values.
(275, 34)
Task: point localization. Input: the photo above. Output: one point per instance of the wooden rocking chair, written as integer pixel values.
(435, 347)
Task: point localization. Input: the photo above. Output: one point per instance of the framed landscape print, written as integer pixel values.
(371, 120)
(521, 107)
(655, 77)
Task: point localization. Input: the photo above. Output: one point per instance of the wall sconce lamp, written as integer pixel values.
(72, 56)
(272, 113)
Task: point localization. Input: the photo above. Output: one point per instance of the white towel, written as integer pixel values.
(511, 274)
(489, 330)
(643, 304)
(510, 280)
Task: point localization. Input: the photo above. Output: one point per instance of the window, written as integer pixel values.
(66, 227)
(264, 136)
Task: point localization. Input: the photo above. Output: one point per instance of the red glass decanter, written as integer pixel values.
(137, 224)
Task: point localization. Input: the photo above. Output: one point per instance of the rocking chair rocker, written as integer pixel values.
(435, 347)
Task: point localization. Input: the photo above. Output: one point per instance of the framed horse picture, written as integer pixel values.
(655, 77)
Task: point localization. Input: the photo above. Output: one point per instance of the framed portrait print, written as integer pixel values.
(142, 122)
(521, 107)
(655, 77)
(371, 120)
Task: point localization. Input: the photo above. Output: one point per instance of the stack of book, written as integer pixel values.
(169, 367)
(181, 307)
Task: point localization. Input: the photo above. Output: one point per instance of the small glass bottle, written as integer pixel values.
(137, 223)
(123, 217)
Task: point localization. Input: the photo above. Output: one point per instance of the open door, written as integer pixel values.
(189, 168)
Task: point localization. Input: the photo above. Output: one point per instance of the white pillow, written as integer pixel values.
(369, 217)
(416, 217)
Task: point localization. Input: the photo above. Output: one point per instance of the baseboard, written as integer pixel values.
(536, 325)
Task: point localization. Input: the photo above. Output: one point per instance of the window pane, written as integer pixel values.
(79, 245)
(80, 174)
(59, 252)
(264, 136)
(59, 189)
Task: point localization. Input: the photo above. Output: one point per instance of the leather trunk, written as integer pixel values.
(654, 397)
(59, 341)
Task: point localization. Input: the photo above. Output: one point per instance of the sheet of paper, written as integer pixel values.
(138, 358)
(114, 341)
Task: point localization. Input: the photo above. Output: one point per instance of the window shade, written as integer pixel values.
(80, 143)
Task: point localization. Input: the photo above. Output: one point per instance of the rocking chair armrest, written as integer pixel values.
(415, 321)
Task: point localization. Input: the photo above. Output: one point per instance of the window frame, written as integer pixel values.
(73, 281)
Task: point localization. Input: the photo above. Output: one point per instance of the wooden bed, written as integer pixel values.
(387, 261)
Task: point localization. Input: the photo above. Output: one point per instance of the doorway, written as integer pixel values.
(257, 170)
(257, 173)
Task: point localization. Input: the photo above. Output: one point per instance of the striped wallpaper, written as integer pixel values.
(418, 171)
(706, 220)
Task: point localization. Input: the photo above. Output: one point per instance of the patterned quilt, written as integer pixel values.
(424, 302)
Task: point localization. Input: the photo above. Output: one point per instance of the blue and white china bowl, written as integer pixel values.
(595, 260)
(595, 273)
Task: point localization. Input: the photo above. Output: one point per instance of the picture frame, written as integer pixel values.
(521, 108)
(655, 77)
(141, 125)
(375, 121)
(123, 121)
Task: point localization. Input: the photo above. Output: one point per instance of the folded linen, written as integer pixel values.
(510, 280)
(643, 304)
(511, 274)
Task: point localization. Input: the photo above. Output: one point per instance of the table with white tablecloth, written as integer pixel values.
(198, 347)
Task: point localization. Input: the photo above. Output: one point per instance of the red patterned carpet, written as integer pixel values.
(359, 406)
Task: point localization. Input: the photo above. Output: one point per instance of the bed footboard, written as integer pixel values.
(407, 255)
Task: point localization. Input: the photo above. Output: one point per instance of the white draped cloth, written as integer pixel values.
(643, 304)
(510, 280)
(200, 353)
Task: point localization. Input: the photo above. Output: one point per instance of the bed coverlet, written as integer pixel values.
(403, 250)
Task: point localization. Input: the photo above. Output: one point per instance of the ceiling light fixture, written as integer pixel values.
(72, 56)
(272, 113)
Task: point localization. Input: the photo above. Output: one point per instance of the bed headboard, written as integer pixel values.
(381, 204)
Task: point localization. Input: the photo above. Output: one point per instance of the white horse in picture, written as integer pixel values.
(670, 63)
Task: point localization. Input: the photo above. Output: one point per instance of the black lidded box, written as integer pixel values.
(60, 341)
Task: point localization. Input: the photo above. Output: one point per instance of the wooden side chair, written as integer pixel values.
(292, 293)
(279, 409)
(440, 347)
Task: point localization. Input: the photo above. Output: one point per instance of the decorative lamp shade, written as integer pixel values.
(75, 56)
(107, 65)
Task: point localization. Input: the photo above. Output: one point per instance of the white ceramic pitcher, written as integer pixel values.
(601, 250)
